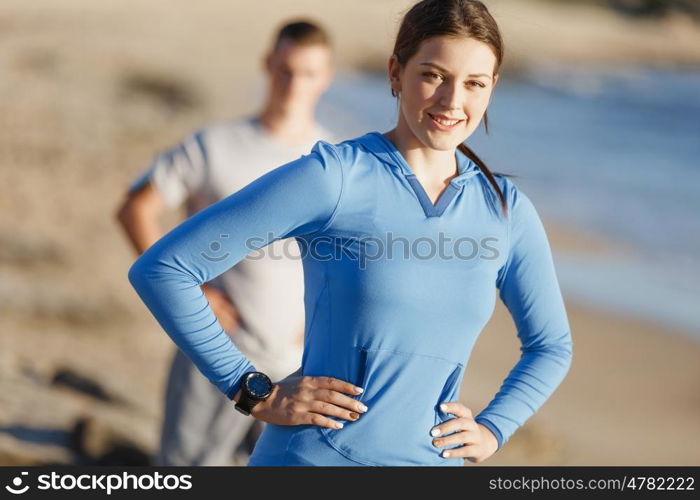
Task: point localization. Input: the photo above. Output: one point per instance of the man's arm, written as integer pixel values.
(173, 176)
(139, 217)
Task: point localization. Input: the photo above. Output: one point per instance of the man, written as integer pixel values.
(259, 302)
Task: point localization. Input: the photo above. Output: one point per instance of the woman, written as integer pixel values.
(386, 309)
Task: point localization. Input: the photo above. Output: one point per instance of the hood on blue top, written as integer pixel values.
(384, 149)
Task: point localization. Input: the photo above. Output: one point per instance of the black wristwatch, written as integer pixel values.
(255, 387)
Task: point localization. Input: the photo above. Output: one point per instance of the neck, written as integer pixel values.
(432, 165)
(293, 124)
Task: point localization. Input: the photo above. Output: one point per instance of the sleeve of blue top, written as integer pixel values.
(529, 288)
(299, 197)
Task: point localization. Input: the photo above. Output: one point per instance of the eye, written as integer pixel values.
(475, 83)
(432, 75)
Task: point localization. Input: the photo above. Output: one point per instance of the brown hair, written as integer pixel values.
(464, 18)
(302, 32)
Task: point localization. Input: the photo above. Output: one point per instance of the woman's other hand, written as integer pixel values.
(478, 442)
(300, 399)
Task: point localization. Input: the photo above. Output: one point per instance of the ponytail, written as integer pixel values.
(473, 157)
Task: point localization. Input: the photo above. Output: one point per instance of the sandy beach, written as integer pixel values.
(90, 91)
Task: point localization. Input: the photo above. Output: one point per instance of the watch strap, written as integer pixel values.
(245, 404)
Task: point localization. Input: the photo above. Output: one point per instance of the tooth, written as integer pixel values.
(442, 121)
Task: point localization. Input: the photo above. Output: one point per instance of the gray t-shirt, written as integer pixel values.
(267, 286)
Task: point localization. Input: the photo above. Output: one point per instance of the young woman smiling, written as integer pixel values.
(400, 327)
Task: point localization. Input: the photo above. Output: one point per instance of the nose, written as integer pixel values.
(451, 96)
(294, 82)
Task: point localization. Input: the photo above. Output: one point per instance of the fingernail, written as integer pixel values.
(443, 407)
(446, 454)
(359, 390)
(339, 425)
(362, 407)
(354, 415)
(435, 432)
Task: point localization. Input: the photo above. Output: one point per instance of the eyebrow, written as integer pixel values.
(428, 63)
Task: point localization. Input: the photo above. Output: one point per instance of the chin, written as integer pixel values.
(438, 139)
(442, 141)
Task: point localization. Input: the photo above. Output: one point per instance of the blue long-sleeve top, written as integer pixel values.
(397, 289)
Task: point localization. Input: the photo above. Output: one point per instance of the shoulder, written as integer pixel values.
(523, 218)
(331, 164)
(342, 154)
(516, 199)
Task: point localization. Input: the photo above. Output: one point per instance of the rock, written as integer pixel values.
(99, 444)
(73, 380)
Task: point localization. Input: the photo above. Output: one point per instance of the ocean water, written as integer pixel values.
(614, 151)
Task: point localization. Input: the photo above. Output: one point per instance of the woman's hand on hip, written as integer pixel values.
(302, 399)
(478, 442)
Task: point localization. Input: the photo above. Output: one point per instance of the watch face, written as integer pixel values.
(259, 385)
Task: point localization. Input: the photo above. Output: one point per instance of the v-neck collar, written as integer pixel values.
(387, 152)
(384, 149)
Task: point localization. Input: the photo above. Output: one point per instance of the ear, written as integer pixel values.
(493, 87)
(394, 70)
(267, 62)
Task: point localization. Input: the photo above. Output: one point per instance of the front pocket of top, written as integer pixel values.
(402, 391)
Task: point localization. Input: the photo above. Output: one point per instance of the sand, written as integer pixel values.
(90, 91)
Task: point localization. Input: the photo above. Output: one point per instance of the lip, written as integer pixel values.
(439, 125)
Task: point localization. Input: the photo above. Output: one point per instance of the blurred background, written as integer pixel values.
(597, 113)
